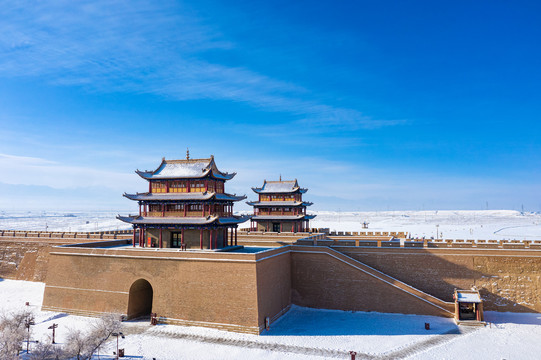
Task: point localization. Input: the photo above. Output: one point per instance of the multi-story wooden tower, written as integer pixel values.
(186, 206)
(280, 207)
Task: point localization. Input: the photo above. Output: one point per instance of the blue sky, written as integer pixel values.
(372, 105)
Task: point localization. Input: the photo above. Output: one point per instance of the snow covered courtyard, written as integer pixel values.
(303, 333)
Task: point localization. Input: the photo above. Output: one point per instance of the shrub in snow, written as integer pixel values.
(47, 351)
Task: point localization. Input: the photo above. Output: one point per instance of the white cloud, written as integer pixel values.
(145, 47)
(22, 170)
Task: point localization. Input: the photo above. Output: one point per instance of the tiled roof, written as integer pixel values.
(183, 196)
(140, 220)
(283, 217)
(186, 169)
(282, 187)
(278, 203)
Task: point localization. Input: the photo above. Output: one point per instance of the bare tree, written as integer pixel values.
(83, 345)
(78, 344)
(13, 332)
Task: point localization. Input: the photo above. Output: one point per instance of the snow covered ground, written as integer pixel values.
(62, 221)
(479, 224)
(304, 334)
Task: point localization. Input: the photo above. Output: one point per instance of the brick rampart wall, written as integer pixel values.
(24, 260)
(508, 279)
(323, 279)
(192, 288)
(24, 254)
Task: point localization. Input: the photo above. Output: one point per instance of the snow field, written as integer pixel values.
(479, 224)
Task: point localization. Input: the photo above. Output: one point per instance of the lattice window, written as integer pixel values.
(196, 207)
(158, 186)
(178, 186)
(197, 186)
(219, 187)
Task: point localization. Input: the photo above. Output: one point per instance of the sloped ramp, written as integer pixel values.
(325, 278)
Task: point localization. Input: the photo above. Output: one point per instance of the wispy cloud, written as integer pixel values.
(146, 47)
(24, 170)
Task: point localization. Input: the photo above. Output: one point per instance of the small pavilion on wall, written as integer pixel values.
(280, 207)
(186, 206)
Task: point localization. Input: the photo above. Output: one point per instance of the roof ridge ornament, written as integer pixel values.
(187, 153)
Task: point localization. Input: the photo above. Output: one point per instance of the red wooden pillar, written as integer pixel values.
(139, 209)
(292, 227)
(163, 211)
(161, 242)
(184, 206)
(167, 186)
(267, 227)
(134, 237)
(226, 237)
(201, 239)
(150, 186)
(182, 238)
(235, 236)
(210, 239)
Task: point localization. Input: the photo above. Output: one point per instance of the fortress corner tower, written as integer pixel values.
(280, 207)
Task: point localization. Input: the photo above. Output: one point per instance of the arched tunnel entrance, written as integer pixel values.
(140, 299)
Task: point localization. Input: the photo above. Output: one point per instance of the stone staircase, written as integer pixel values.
(444, 308)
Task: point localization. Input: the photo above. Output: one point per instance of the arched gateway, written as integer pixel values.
(140, 300)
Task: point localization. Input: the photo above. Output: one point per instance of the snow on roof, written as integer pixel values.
(470, 297)
(280, 186)
(287, 186)
(189, 168)
(194, 168)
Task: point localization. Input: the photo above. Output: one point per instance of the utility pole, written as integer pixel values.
(27, 323)
(117, 334)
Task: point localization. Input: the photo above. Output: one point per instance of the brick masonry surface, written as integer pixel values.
(509, 280)
(237, 291)
(196, 288)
